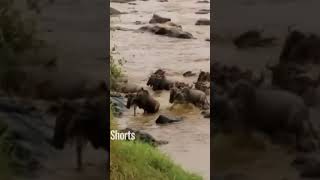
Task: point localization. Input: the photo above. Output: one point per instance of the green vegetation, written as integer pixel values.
(115, 69)
(19, 45)
(135, 160)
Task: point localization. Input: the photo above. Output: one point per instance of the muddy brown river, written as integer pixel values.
(189, 141)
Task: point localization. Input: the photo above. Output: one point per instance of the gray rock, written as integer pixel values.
(203, 11)
(203, 22)
(158, 19)
(166, 30)
(114, 11)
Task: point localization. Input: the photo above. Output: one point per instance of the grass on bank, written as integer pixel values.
(136, 160)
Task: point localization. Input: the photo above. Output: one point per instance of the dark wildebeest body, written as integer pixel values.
(273, 111)
(187, 95)
(144, 101)
(159, 82)
(301, 48)
(82, 122)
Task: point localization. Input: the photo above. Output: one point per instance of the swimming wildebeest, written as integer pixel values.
(159, 82)
(187, 95)
(82, 122)
(273, 111)
(143, 100)
(301, 47)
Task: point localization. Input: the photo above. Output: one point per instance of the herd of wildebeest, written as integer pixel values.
(279, 105)
(242, 101)
(180, 92)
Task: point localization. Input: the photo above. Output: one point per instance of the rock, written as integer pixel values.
(203, 1)
(253, 38)
(144, 137)
(203, 22)
(121, 1)
(114, 12)
(188, 74)
(132, 3)
(203, 11)
(118, 28)
(158, 19)
(24, 135)
(166, 30)
(165, 120)
(139, 23)
(118, 103)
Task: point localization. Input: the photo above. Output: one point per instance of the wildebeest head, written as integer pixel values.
(176, 95)
(204, 76)
(62, 122)
(173, 93)
(150, 80)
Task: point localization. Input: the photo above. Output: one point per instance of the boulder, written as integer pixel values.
(24, 135)
(166, 120)
(166, 30)
(203, 11)
(114, 11)
(144, 137)
(158, 19)
(203, 22)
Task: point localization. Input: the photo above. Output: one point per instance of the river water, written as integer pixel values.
(189, 141)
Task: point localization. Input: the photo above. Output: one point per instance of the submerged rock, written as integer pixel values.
(114, 11)
(203, 1)
(165, 120)
(144, 137)
(121, 1)
(203, 11)
(203, 22)
(188, 74)
(166, 30)
(253, 38)
(24, 135)
(158, 19)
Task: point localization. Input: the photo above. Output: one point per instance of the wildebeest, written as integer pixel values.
(273, 111)
(143, 100)
(253, 38)
(187, 95)
(301, 48)
(203, 76)
(159, 82)
(82, 121)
